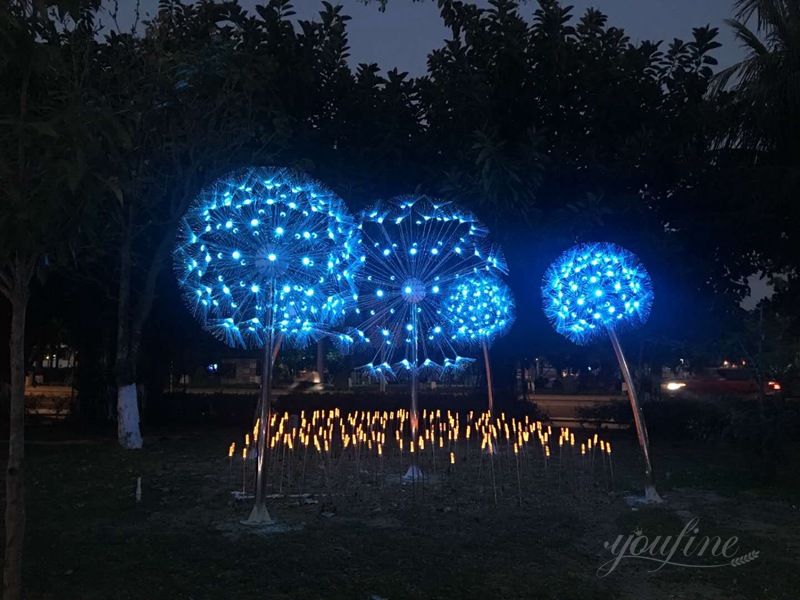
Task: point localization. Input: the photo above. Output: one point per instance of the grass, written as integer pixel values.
(88, 539)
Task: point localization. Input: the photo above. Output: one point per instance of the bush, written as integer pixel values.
(667, 419)
(734, 420)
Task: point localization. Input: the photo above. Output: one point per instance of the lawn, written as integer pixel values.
(377, 537)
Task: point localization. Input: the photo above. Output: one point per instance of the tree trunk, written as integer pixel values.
(22, 271)
(131, 320)
(128, 433)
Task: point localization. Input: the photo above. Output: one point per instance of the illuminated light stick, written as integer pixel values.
(560, 444)
(480, 460)
(593, 290)
(400, 443)
(244, 471)
(494, 482)
(414, 476)
(546, 458)
(519, 483)
(285, 442)
(414, 248)
(262, 253)
(603, 459)
(304, 440)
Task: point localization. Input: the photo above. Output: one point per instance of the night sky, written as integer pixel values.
(404, 34)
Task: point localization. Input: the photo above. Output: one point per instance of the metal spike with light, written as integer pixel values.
(598, 289)
(413, 249)
(264, 254)
(478, 308)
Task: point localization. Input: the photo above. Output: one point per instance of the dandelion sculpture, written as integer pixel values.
(596, 289)
(478, 308)
(413, 249)
(262, 254)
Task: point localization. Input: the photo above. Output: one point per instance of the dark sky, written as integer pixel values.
(404, 34)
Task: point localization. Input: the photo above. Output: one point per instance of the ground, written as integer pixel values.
(377, 537)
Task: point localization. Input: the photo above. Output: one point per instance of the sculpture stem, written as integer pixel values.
(259, 513)
(414, 471)
(651, 495)
(414, 377)
(488, 375)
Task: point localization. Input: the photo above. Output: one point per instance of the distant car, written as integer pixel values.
(719, 382)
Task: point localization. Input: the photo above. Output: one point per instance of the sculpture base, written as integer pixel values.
(413, 473)
(651, 495)
(259, 516)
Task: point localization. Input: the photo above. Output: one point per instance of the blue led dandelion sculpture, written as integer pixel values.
(266, 253)
(591, 288)
(413, 249)
(597, 289)
(478, 308)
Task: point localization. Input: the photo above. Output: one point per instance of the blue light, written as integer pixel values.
(593, 287)
(478, 308)
(413, 249)
(253, 209)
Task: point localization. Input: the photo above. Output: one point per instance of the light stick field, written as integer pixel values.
(330, 455)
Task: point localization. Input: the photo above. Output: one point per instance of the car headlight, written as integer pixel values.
(674, 386)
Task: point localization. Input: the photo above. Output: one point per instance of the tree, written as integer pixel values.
(764, 84)
(182, 98)
(761, 99)
(558, 127)
(45, 145)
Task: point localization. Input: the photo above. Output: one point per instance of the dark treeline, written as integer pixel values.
(553, 127)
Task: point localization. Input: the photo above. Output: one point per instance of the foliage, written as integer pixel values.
(551, 126)
(45, 130)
